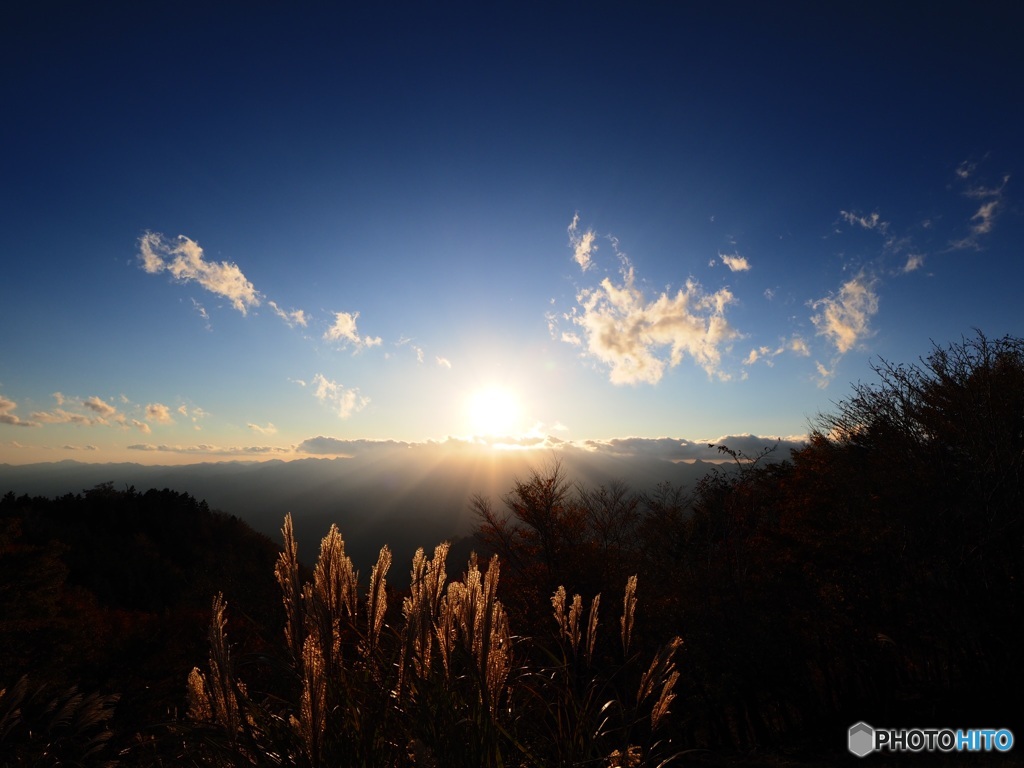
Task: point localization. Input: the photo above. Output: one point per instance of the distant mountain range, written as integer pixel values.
(403, 497)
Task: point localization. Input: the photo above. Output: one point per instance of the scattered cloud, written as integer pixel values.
(293, 318)
(871, 221)
(966, 169)
(825, 374)
(7, 417)
(183, 258)
(159, 413)
(766, 354)
(983, 220)
(61, 416)
(914, 262)
(844, 318)
(345, 331)
(417, 350)
(735, 262)
(444, 362)
(582, 244)
(269, 429)
(201, 311)
(142, 426)
(637, 338)
(344, 401)
(104, 409)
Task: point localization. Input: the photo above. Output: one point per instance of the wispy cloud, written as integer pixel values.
(293, 317)
(983, 220)
(345, 331)
(444, 362)
(735, 262)
(7, 406)
(183, 258)
(871, 221)
(405, 341)
(767, 354)
(914, 262)
(844, 318)
(269, 429)
(343, 401)
(582, 244)
(638, 338)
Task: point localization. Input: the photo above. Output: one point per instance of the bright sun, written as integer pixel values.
(494, 411)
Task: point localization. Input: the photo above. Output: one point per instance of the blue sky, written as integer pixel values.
(247, 231)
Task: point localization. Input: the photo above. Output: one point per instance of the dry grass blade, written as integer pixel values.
(287, 573)
(628, 614)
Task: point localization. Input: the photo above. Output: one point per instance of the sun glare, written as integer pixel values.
(494, 411)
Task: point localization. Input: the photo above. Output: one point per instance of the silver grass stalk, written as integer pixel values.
(214, 696)
(660, 708)
(628, 614)
(376, 600)
(592, 627)
(662, 672)
(574, 622)
(313, 704)
(558, 603)
(287, 572)
(335, 578)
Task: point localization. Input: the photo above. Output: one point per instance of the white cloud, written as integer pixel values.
(825, 375)
(159, 413)
(844, 318)
(638, 338)
(345, 331)
(332, 446)
(871, 221)
(582, 244)
(60, 416)
(7, 417)
(735, 262)
(293, 318)
(183, 258)
(444, 362)
(344, 401)
(796, 345)
(982, 221)
(215, 450)
(104, 409)
(142, 426)
(965, 169)
(914, 262)
(269, 429)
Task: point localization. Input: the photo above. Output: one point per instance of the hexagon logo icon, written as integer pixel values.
(861, 740)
